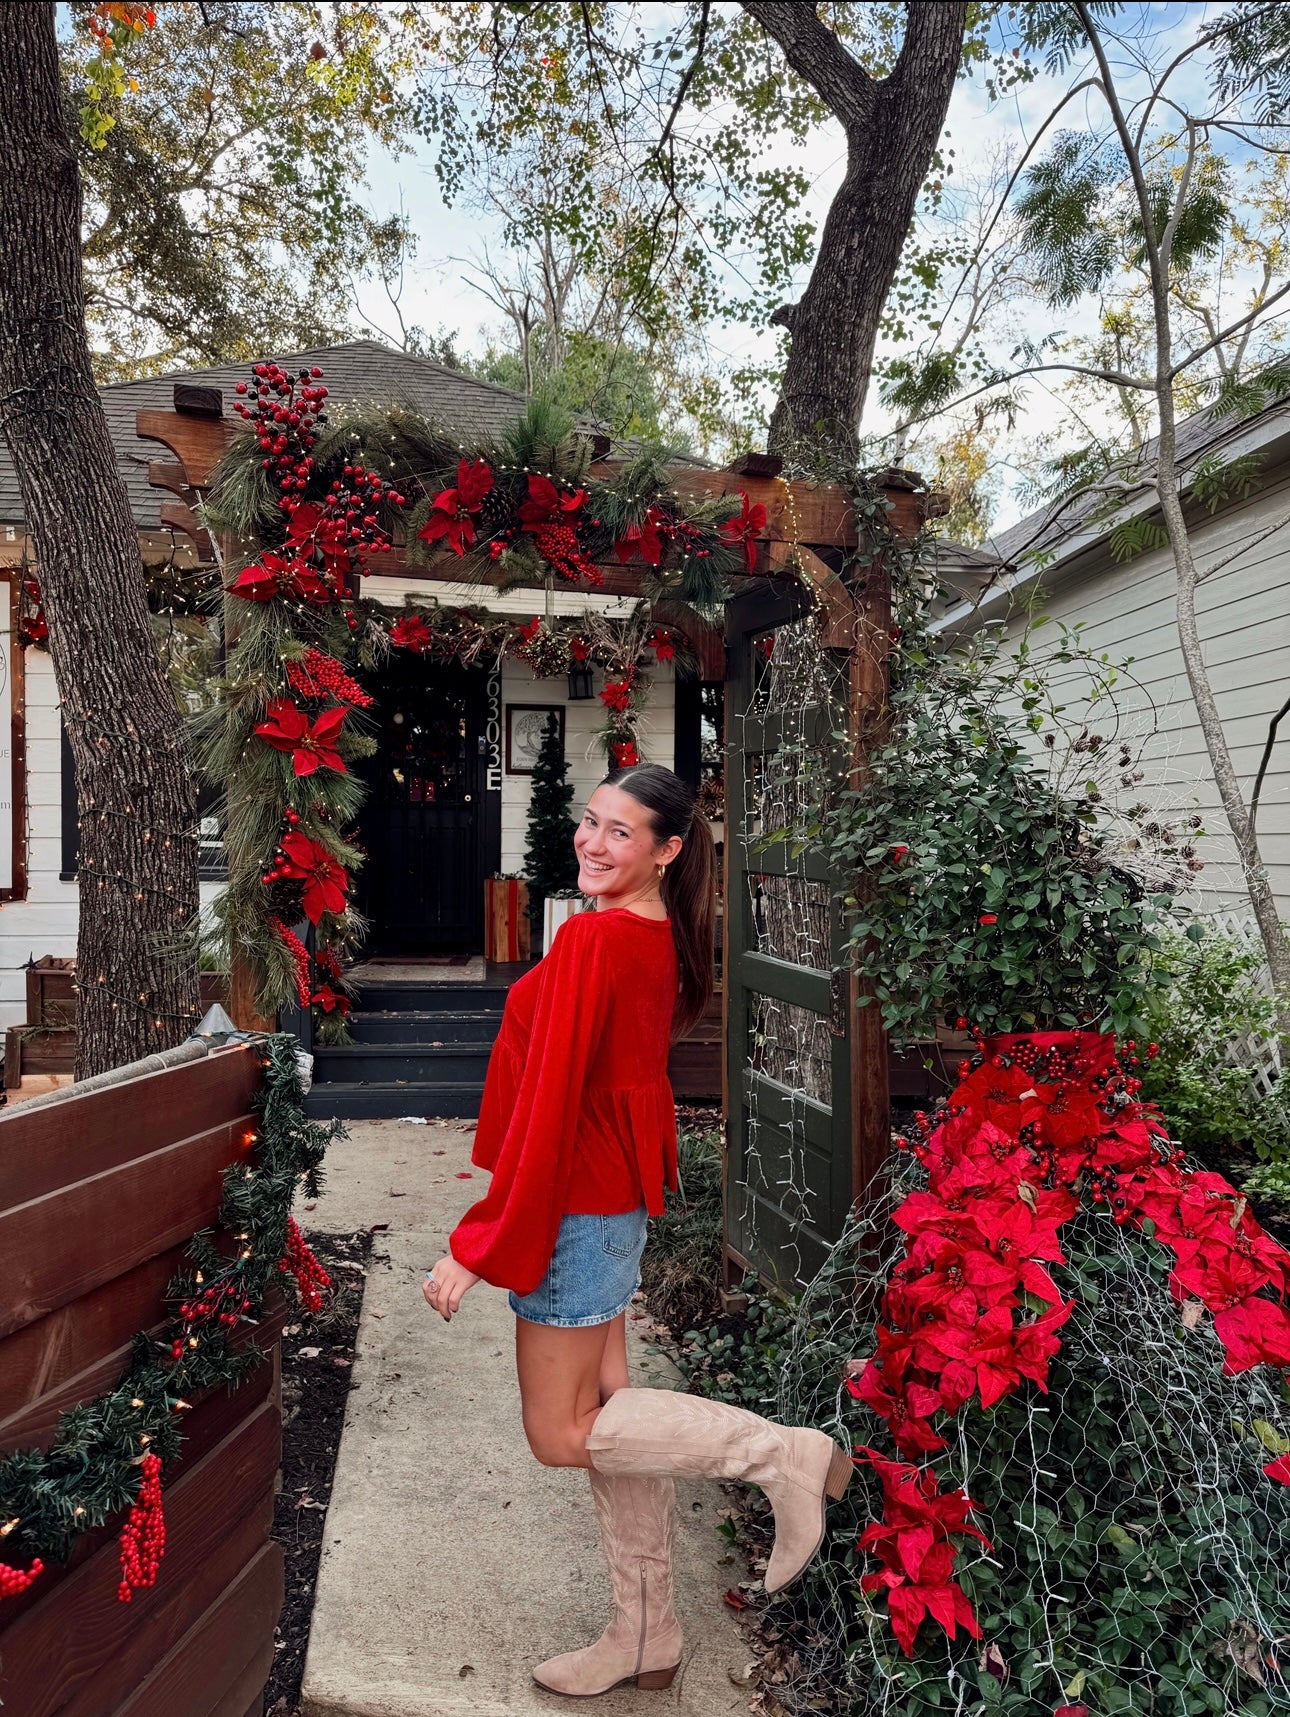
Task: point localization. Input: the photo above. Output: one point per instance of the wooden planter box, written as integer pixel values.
(46, 1041)
(506, 920)
(148, 1153)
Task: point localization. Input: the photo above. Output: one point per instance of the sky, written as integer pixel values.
(438, 293)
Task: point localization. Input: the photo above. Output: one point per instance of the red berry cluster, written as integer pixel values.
(222, 1302)
(349, 514)
(559, 547)
(15, 1580)
(285, 415)
(692, 541)
(284, 933)
(320, 675)
(143, 1537)
(300, 1262)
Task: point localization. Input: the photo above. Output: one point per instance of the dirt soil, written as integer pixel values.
(317, 1357)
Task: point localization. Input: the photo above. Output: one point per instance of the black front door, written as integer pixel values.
(422, 884)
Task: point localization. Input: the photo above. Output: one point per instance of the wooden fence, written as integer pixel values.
(100, 1191)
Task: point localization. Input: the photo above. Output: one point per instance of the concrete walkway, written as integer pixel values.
(452, 1560)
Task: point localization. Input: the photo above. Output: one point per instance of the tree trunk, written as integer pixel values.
(891, 129)
(138, 834)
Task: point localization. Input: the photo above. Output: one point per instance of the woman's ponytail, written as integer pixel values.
(689, 884)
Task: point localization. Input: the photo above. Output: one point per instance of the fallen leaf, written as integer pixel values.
(743, 1677)
(312, 1205)
(465, 1670)
(1192, 1312)
(377, 1314)
(394, 1194)
(438, 1153)
(736, 1600)
(378, 1228)
(464, 1174)
(308, 1352)
(992, 1663)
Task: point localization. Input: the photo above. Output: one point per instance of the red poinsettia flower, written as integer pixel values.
(326, 881)
(663, 644)
(312, 744)
(547, 504)
(530, 629)
(451, 517)
(311, 527)
(948, 1604)
(1036, 1342)
(624, 753)
(644, 539)
(262, 582)
(579, 649)
(977, 1361)
(1279, 1469)
(617, 694)
(330, 1001)
(1257, 1332)
(411, 632)
(743, 528)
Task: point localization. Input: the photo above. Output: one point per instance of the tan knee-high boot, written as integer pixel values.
(642, 1643)
(665, 1433)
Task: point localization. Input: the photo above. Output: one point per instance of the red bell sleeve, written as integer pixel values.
(509, 1235)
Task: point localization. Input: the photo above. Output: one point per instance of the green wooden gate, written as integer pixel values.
(793, 1108)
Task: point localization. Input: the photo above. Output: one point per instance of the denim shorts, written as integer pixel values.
(593, 1273)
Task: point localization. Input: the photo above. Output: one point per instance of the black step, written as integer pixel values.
(389, 1101)
(416, 1063)
(415, 996)
(392, 1025)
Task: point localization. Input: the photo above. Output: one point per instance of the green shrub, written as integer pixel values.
(1211, 1001)
(681, 1266)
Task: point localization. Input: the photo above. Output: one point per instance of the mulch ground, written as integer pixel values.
(317, 1362)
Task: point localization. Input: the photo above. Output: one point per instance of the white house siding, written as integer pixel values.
(587, 760)
(1244, 615)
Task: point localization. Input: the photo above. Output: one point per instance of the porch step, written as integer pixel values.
(390, 1025)
(383, 1102)
(419, 1048)
(416, 996)
(415, 1063)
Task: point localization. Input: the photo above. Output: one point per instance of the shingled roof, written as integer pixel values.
(358, 373)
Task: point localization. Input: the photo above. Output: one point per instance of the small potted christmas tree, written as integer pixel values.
(550, 863)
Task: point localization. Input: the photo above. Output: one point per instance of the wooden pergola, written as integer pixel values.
(802, 563)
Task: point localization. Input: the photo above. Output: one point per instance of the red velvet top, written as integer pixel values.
(577, 1114)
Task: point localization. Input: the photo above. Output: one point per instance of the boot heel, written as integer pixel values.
(656, 1679)
(840, 1471)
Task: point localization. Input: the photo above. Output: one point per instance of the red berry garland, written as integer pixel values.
(300, 1262)
(299, 953)
(143, 1537)
(15, 1580)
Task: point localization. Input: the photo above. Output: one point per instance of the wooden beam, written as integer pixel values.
(837, 609)
(199, 443)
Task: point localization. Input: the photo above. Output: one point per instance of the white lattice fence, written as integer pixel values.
(1260, 1056)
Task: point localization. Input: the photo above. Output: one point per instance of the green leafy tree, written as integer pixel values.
(224, 215)
(689, 102)
(550, 863)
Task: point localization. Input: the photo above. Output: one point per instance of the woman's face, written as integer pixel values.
(618, 856)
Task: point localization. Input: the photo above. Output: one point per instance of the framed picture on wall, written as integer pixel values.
(525, 727)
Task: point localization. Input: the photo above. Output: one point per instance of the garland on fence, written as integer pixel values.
(325, 504)
(108, 1454)
(1037, 1126)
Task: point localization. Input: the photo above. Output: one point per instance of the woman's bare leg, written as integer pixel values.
(559, 1372)
(613, 1365)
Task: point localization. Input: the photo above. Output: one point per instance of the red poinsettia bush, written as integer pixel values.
(1069, 1409)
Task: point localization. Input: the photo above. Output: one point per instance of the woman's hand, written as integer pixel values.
(452, 1281)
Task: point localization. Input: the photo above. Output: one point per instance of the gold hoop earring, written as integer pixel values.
(661, 870)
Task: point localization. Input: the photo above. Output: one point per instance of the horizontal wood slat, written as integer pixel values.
(151, 1204)
(49, 1146)
(218, 1515)
(787, 983)
(204, 1660)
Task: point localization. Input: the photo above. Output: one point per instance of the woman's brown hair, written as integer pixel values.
(689, 883)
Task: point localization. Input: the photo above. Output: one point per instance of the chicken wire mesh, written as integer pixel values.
(1140, 1557)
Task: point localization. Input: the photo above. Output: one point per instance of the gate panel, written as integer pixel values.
(788, 1180)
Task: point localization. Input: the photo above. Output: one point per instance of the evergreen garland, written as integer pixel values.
(93, 1467)
(550, 863)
